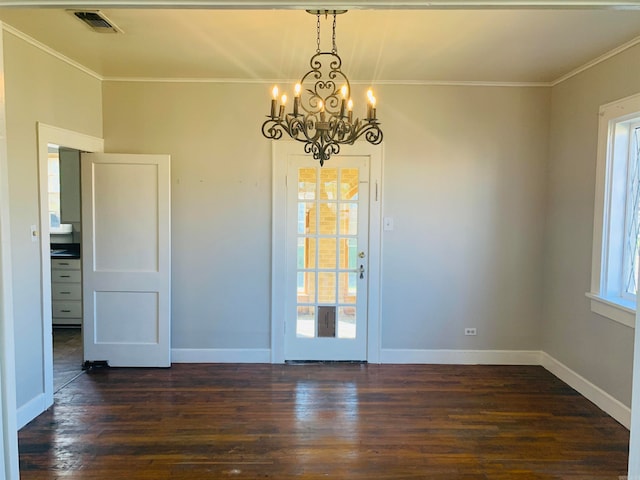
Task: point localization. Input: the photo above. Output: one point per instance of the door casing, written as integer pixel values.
(280, 152)
(49, 134)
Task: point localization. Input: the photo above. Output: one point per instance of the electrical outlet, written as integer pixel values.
(470, 331)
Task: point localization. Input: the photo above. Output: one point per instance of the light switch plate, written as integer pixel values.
(34, 233)
(387, 223)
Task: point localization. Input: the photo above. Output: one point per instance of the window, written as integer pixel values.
(54, 186)
(616, 260)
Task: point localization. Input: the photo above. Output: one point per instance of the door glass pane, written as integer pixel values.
(307, 184)
(347, 287)
(326, 287)
(328, 218)
(348, 218)
(306, 217)
(346, 322)
(328, 183)
(306, 287)
(306, 255)
(349, 183)
(306, 321)
(301, 254)
(348, 253)
(327, 255)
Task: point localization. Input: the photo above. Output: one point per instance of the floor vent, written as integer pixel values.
(97, 21)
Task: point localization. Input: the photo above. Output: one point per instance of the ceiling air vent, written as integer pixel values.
(97, 21)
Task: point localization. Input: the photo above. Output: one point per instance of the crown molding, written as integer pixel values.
(592, 63)
(54, 53)
(280, 81)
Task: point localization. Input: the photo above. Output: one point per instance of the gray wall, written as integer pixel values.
(597, 348)
(464, 181)
(39, 88)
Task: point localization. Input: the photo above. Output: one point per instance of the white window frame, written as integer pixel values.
(608, 293)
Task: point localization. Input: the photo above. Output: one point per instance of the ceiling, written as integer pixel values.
(422, 46)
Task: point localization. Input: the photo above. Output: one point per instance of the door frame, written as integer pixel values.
(8, 424)
(280, 151)
(67, 138)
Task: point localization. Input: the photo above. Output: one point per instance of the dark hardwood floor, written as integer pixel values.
(337, 421)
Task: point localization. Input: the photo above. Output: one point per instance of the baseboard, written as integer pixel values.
(461, 357)
(31, 410)
(595, 394)
(220, 355)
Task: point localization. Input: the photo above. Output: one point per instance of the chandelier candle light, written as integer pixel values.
(322, 112)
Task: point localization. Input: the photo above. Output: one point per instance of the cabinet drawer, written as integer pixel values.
(71, 309)
(66, 291)
(65, 263)
(65, 276)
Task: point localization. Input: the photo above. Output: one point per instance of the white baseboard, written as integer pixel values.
(31, 410)
(461, 357)
(595, 394)
(220, 355)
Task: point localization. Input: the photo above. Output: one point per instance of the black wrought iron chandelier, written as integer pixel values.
(322, 112)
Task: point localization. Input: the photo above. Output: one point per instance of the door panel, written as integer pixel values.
(326, 280)
(127, 259)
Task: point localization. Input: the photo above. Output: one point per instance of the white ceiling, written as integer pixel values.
(450, 45)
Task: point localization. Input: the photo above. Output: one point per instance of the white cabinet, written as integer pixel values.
(66, 291)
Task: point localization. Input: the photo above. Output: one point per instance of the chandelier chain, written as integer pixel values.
(335, 47)
(318, 34)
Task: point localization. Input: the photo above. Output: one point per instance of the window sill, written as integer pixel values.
(618, 310)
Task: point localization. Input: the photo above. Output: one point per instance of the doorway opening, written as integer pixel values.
(65, 229)
(61, 277)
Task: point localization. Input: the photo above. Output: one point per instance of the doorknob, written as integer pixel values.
(361, 270)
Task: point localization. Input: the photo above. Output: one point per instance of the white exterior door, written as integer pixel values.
(126, 244)
(327, 258)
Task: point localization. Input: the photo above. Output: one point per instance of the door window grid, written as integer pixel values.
(333, 232)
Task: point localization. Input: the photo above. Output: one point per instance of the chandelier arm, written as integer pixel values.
(371, 132)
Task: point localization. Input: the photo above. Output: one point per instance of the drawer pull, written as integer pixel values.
(65, 293)
(65, 276)
(63, 263)
(65, 311)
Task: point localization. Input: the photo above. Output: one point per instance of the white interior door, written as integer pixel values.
(126, 243)
(327, 258)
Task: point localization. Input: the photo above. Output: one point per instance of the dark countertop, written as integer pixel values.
(65, 250)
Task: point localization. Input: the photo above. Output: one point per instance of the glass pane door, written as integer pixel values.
(328, 228)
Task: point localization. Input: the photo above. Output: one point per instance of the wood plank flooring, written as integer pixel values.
(67, 356)
(336, 421)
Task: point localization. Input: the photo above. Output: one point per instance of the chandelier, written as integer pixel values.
(322, 113)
